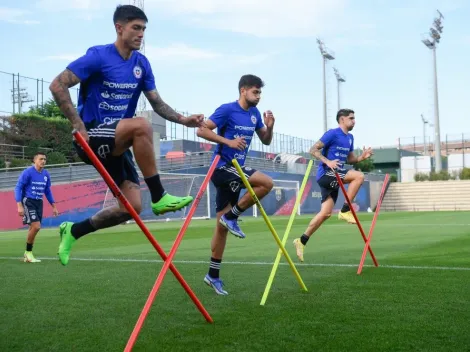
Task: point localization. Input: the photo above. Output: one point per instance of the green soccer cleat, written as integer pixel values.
(170, 203)
(66, 242)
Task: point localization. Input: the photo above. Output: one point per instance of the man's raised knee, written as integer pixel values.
(269, 184)
(360, 177)
(143, 126)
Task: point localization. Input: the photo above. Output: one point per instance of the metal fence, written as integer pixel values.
(450, 144)
(20, 151)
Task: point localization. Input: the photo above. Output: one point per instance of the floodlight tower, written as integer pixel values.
(327, 55)
(424, 134)
(142, 105)
(340, 79)
(431, 42)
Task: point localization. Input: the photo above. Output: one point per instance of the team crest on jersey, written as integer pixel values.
(278, 194)
(253, 119)
(350, 141)
(137, 72)
(45, 178)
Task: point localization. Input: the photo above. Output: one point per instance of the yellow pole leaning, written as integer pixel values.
(286, 234)
(268, 222)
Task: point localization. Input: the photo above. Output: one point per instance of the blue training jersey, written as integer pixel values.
(33, 184)
(338, 145)
(233, 121)
(110, 86)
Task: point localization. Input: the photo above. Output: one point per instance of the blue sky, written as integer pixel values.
(199, 49)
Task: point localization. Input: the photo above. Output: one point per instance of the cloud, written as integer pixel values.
(13, 15)
(262, 18)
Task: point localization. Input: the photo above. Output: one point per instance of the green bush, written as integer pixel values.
(393, 178)
(465, 174)
(420, 176)
(2, 164)
(20, 162)
(56, 158)
(38, 131)
(439, 176)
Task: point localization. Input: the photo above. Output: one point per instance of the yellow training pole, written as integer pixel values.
(286, 234)
(268, 222)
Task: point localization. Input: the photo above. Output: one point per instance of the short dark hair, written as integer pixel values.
(127, 13)
(343, 113)
(248, 81)
(38, 153)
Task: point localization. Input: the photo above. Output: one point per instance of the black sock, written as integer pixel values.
(83, 228)
(234, 213)
(304, 239)
(29, 247)
(214, 268)
(155, 187)
(345, 208)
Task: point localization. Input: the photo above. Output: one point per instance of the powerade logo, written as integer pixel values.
(120, 85)
(244, 128)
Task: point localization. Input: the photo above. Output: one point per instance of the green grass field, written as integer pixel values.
(418, 299)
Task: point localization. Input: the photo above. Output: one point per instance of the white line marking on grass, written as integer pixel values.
(337, 265)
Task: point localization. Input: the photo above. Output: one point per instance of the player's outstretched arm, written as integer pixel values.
(60, 91)
(165, 111)
(366, 153)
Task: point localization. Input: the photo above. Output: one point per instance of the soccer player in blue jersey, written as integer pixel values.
(236, 123)
(111, 79)
(334, 149)
(33, 183)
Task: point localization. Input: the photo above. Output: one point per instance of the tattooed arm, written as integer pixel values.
(60, 91)
(165, 111)
(315, 151)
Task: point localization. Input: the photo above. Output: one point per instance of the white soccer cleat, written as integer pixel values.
(29, 258)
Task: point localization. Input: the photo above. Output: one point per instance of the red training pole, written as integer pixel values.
(372, 226)
(117, 192)
(166, 265)
(340, 182)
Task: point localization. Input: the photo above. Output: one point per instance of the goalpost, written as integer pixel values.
(177, 185)
(281, 199)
